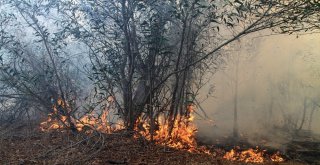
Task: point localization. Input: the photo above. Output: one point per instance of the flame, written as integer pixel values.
(99, 124)
(277, 157)
(54, 122)
(181, 136)
(231, 155)
(251, 156)
(58, 121)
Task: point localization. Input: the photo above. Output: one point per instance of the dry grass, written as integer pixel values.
(21, 145)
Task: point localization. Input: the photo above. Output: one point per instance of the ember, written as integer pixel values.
(277, 157)
(252, 156)
(101, 124)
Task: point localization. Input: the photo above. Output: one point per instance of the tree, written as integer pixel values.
(141, 56)
(148, 54)
(238, 55)
(36, 71)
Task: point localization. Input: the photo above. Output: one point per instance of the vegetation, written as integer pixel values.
(143, 62)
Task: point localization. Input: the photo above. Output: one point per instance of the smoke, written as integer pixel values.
(276, 74)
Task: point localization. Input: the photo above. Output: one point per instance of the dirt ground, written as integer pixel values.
(24, 145)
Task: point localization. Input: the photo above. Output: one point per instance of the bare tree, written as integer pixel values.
(148, 54)
(37, 72)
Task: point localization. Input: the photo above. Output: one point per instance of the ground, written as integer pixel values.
(25, 145)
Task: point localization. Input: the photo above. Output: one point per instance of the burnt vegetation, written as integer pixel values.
(117, 81)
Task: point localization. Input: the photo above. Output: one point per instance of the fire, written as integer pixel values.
(231, 155)
(53, 122)
(181, 136)
(251, 156)
(276, 157)
(99, 124)
(57, 120)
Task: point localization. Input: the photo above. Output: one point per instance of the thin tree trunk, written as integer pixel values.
(131, 57)
(304, 114)
(173, 106)
(235, 117)
(311, 117)
(270, 115)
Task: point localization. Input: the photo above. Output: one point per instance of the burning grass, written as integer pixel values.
(21, 145)
(86, 123)
(176, 137)
(182, 134)
(252, 156)
(180, 137)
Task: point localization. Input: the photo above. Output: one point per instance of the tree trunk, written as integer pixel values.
(270, 114)
(304, 114)
(235, 117)
(311, 117)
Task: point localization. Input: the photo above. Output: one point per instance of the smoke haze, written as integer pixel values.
(275, 75)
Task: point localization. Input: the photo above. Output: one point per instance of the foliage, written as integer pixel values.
(149, 56)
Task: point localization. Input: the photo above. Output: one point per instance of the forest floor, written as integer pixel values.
(24, 145)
